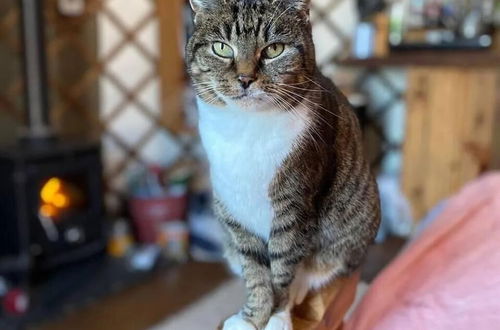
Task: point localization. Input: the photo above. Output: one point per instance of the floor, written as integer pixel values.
(208, 312)
(147, 304)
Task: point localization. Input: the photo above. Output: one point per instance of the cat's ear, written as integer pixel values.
(201, 5)
(302, 5)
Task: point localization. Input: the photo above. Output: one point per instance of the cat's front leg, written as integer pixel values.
(288, 246)
(285, 259)
(251, 252)
(238, 322)
(256, 273)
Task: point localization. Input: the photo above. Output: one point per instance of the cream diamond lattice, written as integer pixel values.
(125, 71)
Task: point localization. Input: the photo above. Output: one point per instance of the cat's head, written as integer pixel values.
(245, 53)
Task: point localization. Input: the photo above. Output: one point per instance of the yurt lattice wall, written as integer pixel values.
(112, 74)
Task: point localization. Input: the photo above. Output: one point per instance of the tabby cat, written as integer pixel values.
(294, 194)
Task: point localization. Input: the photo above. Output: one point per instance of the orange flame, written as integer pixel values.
(54, 198)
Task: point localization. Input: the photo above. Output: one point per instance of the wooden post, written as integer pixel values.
(171, 66)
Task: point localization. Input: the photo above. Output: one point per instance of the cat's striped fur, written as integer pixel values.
(324, 201)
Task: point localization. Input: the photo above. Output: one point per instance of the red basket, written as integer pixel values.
(149, 213)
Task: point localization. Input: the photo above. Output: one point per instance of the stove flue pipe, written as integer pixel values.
(35, 70)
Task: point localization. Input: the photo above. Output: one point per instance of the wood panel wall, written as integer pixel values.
(450, 131)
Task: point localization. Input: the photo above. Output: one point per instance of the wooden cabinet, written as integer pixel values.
(449, 131)
(452, 123)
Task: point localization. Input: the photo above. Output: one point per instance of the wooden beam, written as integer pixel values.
(472, 58)
(171, 63)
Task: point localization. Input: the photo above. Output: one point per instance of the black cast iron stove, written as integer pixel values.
(50, 189)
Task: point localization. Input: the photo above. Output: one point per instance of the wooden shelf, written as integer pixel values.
(429, 58)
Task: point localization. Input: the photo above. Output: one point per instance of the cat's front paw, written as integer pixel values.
(280, 321)
(236, 322)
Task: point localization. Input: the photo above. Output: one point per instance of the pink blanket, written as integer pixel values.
(449, 278)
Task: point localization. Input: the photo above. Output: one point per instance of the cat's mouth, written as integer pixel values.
(248, 100)
(248, 95)
(240, 97)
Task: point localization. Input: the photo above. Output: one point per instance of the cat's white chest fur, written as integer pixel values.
(245, 150)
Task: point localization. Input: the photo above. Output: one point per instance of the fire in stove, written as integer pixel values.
(57, 196)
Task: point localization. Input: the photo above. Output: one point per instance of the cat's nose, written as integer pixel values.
(245, 80)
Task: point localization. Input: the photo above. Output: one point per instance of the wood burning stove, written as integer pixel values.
(50, 205)
(50, 189)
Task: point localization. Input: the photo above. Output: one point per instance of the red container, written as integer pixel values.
(149, 213)
(16, 302)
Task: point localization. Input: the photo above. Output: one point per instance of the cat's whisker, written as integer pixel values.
(203, 88)
(301, 97)
(317, 84)
(312, 129)
(300, 88)
(278, 104)
(295, 113)
(211, 93)
(206, 88)
(298, 83)
(207, 93)
(285, 101)
(211, 101)
(281, 103)
(307, 108)
(202, 83)
(291, 107)
(287, 105)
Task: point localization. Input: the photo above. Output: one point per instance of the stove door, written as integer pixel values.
(65, 209)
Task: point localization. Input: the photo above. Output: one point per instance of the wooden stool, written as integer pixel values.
(326, 308)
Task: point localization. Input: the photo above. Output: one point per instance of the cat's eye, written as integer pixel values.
(273, 51)
(223, 50)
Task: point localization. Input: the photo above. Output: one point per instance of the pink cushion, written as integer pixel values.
(449, 278)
